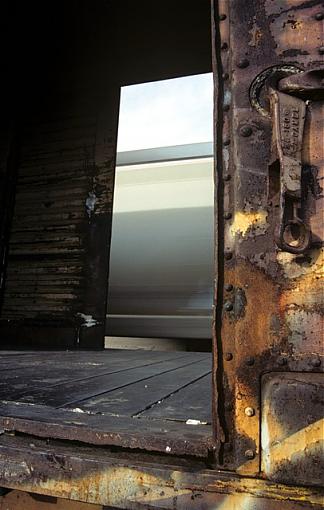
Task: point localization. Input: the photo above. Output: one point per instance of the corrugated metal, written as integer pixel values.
(45, 272)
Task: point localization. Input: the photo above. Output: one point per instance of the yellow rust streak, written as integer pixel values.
(293, 447)
(244, 221)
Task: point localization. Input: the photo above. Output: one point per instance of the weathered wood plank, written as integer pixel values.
(191, 402)
(137, 397)
(156, 435)
(76, 391)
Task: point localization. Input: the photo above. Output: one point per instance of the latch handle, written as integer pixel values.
(288, 114)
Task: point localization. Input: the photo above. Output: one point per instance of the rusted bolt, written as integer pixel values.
(228, 306)
(227, 215)
(282, 361)
(226, 177)
(243, 63)
(246, 131)
(228, 356)
(316, 362)
(249, 454)
(249, 411)
(222, 17)
(249, 361)
(226, 141)
(225, 76)
(321, 50)
(228, 255)
(229, 287)
(319, 16)
(224, 46)
(226, 107)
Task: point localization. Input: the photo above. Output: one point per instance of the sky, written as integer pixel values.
(168, 112)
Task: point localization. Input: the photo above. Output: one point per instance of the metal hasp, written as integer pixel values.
(288, 113)
(289, 107)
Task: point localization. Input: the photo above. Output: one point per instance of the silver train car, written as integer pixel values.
(161, 260)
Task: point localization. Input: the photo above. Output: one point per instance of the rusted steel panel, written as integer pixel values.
(292, 430)
(138, 481)
(270, 298)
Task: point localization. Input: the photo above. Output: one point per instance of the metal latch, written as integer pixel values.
(288, 114)
(289, 99)
(290, 91)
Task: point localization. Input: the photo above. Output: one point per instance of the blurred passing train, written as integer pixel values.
(161, 260)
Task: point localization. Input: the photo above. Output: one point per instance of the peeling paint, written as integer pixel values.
(89, 321)
(247, 221)
(255, 34)
(91, 203)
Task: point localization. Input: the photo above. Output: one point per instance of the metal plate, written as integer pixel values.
(292, 434)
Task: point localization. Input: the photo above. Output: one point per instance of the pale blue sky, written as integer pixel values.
(168, 112)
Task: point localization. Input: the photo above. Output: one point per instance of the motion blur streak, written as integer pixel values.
(161, 262)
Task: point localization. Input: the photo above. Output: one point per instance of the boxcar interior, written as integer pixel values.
(65, 63)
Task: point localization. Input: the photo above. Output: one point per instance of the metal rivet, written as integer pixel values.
(243, 63)
(321, 50)
(246, 131)
(222, 17)
(228, 356)
(229, 287)
(249, 361)
(228, 306)
(282, 361)
(226, 177)
(249, 411)
(319, 16)
(228, 255)
(225, 76)
(316, 362)
(224, 46)
(227, 215)
(249, 454)
(226, 107)
(226, 141)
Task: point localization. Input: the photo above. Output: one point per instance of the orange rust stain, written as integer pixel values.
(253, 332)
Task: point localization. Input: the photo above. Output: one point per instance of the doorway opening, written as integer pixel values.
(161, 257)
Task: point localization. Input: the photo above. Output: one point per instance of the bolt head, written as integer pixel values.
(316, 362)
(229, 287)
(246, 131)
(227, 215)
(249, 361)
(249, 411)
(243, 63)
(282, 361)
(249, 454)
(226, 107)
(222, 17)
(228, 356)
(319, 16)
(228, 306)
(228, 255)
(226, 177)
(226, 141)
(224, 46)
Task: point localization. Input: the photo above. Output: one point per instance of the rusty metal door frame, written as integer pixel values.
(268, 296)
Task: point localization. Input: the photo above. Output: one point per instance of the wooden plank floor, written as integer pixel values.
(131, 398)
